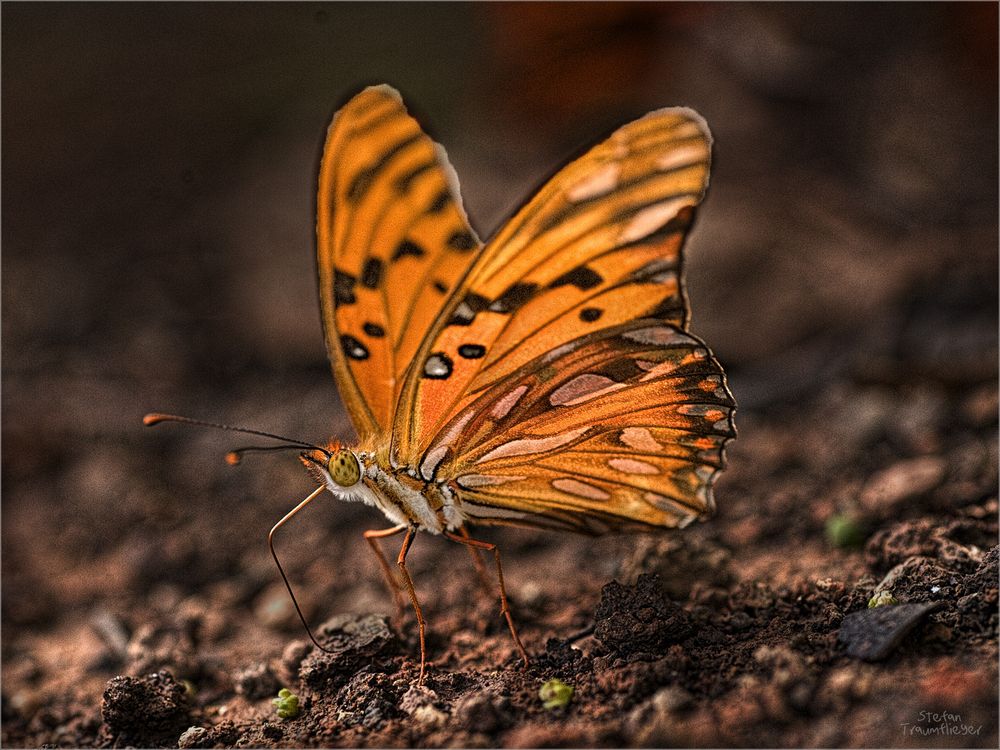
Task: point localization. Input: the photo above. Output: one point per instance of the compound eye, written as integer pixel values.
(344, 468)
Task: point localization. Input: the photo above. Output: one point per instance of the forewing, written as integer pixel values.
(392, 241)
(597, 247)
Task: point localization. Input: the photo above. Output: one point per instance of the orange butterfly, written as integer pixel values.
(544, 379)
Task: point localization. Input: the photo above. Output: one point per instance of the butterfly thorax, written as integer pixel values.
(403, 497)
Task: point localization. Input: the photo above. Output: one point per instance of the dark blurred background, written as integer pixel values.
(159, 167)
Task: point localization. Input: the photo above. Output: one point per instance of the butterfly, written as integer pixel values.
(545, 378)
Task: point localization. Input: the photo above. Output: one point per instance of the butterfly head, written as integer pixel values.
(335, 465)
(344, 468)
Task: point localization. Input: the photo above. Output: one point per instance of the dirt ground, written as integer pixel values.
(159, 162)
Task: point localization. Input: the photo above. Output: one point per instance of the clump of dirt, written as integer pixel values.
(639, 620)
(148, 711)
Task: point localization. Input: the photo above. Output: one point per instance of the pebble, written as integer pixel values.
(482, 712)
(292, 657)
(873, 634)
(887, 488)
(274, 607)
(255, 682)
(193, 737)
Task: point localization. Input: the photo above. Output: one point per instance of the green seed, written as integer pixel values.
(555, 694)
(881, 599)
(844, 531)
(287, 704)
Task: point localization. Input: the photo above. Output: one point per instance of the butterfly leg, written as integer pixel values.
(477, 561)
(401, 562)
(370, 536)
(505, 607)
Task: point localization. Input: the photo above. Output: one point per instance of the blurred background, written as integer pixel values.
(159, 168)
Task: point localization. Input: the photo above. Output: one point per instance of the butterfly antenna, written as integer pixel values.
(236, 455)
(156, 418)
(270, 544)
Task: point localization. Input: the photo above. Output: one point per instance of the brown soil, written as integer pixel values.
(157, 188)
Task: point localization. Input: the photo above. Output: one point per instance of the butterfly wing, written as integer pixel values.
(392, 241)
(598, 246)
(620, 429)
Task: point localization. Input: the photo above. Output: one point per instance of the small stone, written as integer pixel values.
(291, 659)
(482, 712)
(274, 607)
(671, 699)
(902, 481)
(429, 716)
(649, 723)
(193, 737)
(255, 682)
(419, 702)
(980, 407)
(873, 634)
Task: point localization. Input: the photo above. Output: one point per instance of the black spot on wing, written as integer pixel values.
(514, 297)
(363, 180)
(590, 314)
(472, 351)
(621, 370)
(462, 241)
(581, 277)
(405, 181)
(440, 286)
(468, 308)
(343, 288)
(374, 330)
(371, 274)
(408, 248)
(352, 347)
(438, 366)
(439, 202)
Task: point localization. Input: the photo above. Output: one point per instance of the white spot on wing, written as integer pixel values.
(502, 407)
(631, 466)
(527, 446)
(596, 183)
(580, 489)
(468, 481)
(475, 510)
(641, 439)
(432, 460)
(684, 154)
(657, 336)
(649, 219)
(446, 439)
(582, 388)
(685, 514)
